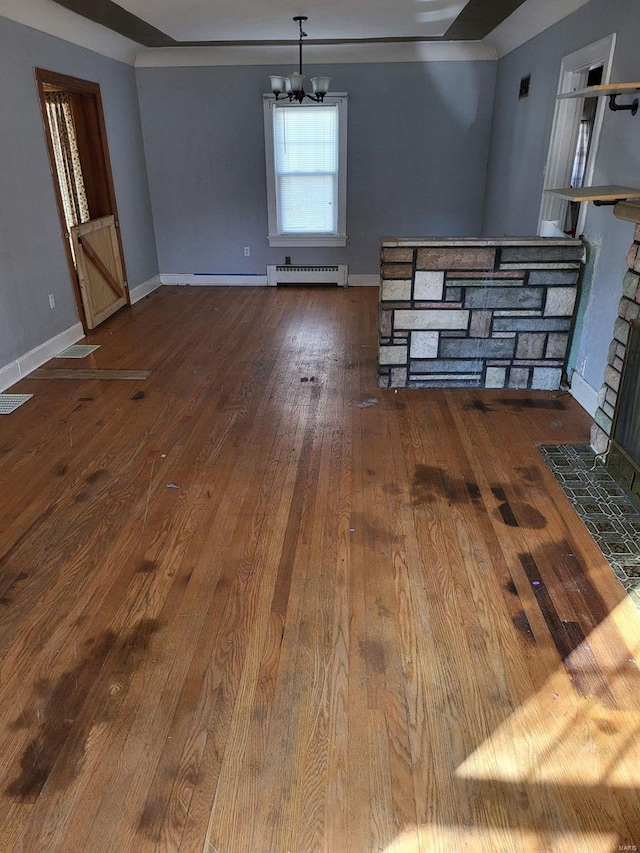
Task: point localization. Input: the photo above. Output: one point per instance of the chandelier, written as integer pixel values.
(292, 87)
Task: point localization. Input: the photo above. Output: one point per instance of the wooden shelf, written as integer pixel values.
(606, 195)
(603, 90)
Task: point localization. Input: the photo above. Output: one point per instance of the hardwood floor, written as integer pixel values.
(240, 612)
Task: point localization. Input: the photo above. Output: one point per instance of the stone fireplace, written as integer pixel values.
(616, 419)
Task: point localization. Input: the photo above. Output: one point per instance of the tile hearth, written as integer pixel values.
(609, 516)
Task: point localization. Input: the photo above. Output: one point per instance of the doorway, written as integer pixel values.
(574, 137)
(76, 137)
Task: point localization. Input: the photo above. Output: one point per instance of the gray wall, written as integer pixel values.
(418, 139)
(519, 146)
(32, 258)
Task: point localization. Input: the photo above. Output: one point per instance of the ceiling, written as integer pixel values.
(170, 23)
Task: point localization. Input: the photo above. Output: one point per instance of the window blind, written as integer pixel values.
(306, 169)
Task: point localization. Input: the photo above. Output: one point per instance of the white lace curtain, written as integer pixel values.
(65, 149)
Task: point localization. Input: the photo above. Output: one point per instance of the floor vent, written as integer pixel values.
(10, 402)
(78, 351)
(308, 274)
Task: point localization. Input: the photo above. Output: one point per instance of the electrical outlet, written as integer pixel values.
(247, 251)
(52, 301)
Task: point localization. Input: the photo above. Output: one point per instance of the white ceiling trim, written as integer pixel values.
(529, 20)
(458, 51)
(48, 17)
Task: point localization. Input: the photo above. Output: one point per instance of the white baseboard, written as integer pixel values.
(363, 281)
(141, 290)
(195, 280)
(30, 361)
(584, 394)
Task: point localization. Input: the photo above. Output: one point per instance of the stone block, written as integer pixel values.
(603, 421)
(560, 302)
(519, 377)
(398, 377)
(632, 255)
(447, 365)
(392, 355)
(528, 312)
(612, 377)
(632, 312)
(453, 294)
(397, 255)
(630, 284)
(622, 307)
(602, 394)
(429, 285)
(437, 319)
(424, 344)
(384, 319)
(621, 331)
(504, 298)
(480, 326)
(398, 290)
(396, 271)
(540, 254)
(556, 345)
(611, 354)
(477, 348)
(618, 364)
(621, 350)
(503, 278)
(552, 278)
(546, 378)
(495, 377)
(450, 306)
(610, 397)
(531, 324)
(599, 439)
(456, 258)
(531, 345)
(383, 380)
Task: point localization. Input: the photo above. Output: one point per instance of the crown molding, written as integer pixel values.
(526, 22)
(414, 51)
(529, 20)
(55, 20)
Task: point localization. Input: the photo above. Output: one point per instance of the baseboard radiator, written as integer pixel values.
(311, 274)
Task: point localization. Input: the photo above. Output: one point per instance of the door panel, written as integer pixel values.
(100, 269)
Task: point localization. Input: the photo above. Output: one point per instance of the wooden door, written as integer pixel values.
(98, 273)
(100, 269)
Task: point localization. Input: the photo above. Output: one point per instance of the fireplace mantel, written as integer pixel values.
(629, 210)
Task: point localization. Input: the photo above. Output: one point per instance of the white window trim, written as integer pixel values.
(276, 238)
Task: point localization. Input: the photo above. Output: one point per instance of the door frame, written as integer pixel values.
(564, 134)
(95, 144)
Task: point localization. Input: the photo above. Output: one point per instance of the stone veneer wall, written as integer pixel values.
(476, 313)
(628, 310)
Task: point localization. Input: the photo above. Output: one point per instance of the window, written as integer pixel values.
(306, 171)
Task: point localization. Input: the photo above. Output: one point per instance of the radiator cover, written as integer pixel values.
(307, 274)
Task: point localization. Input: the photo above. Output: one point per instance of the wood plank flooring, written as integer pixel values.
(242, 613)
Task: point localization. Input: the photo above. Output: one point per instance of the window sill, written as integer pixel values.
(307, 240)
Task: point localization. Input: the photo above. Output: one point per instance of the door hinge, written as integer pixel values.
(116, 222)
